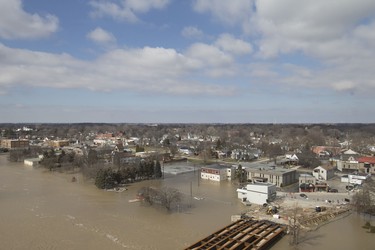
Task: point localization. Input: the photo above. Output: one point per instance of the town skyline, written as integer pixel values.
(199, 61)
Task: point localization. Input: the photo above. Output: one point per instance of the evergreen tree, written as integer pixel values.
(157, 170)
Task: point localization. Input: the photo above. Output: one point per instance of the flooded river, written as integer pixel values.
(45, 210)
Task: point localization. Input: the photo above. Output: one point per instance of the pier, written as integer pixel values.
(243, 234)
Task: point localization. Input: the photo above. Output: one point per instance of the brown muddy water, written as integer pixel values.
(45, 210)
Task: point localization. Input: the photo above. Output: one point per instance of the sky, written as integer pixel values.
(190, 61)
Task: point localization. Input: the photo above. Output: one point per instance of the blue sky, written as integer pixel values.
(171, 61)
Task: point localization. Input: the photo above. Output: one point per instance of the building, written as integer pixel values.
(11, 143)
(214, 172)
(58, 143)
(306, 183)
(356, 178)
(348, 161)
(324, 172)
(257, 193)
(281, 177)
(367, 164)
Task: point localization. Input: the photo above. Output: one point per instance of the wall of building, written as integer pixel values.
(257, 193)
(214, 174)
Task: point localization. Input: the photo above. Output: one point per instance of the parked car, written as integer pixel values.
(303, 196)
(333, 190)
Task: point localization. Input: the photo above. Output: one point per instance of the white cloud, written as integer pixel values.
(125, 10)
(192, 32)
(337, 35)
(229, 12)
(101, 36)
(15, 23)
(236, 46)
(144, 69)
(212, 61)
(308, 24)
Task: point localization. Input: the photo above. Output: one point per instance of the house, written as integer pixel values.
(367, 164)
(289, 159)
(324, 172)
(281, 177)
(214, 172)
(258, 193)
(324, 151)
(245, 155)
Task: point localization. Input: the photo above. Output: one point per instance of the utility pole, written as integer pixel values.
(198, 176)
(191, 194)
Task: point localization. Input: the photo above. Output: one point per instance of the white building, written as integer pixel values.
(324, 172)
(214, 173)
(259, 193)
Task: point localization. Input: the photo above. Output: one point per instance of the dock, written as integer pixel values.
(243, 234)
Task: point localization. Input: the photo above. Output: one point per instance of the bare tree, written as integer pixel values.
(166, 197)
(169, 196)
(364, 200)
(294, 227)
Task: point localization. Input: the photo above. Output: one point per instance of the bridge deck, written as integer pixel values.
(243, 234)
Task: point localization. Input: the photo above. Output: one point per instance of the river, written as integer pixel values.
(45, 210)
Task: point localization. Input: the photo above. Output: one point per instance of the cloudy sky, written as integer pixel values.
(238, 61)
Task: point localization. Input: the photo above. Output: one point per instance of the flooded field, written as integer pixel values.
(45, 210)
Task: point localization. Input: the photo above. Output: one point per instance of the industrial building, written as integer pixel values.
(281, 177)
(215, 172)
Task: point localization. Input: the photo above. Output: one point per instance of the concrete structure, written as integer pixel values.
(324, 172)
(259, 193)
(11, 143)
(281, 177)
(214, 172)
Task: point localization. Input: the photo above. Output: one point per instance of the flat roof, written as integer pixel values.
(216, 166)
(267, 169)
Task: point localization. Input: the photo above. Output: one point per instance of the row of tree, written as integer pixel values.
(107, 178)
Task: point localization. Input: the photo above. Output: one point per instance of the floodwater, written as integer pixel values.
(45, 210)
(342, 234)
